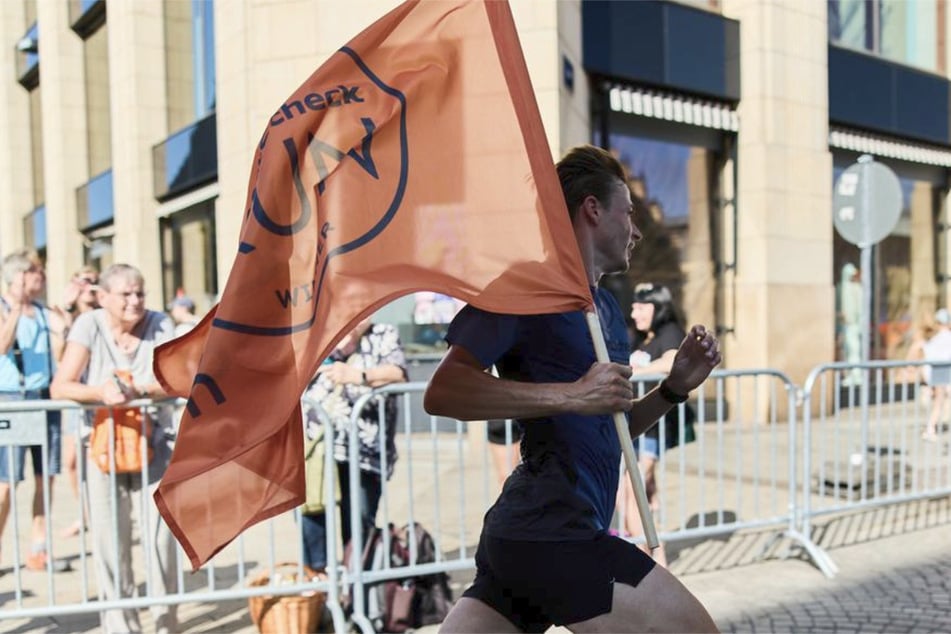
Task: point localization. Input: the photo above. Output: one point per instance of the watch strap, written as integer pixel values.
(669, 395)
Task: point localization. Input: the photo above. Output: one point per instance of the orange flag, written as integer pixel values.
(413, 159)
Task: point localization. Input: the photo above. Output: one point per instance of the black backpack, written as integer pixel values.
(402, 604)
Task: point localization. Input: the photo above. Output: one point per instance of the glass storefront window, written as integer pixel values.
(679, 183)
(203, 35)
(189, 259)
(98, 251)
(899, 30)
(905, 265)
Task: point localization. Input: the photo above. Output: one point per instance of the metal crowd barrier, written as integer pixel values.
(766, 455)
(228, 577)
(739, 473)
(862, 445)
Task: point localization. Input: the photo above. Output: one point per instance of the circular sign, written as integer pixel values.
(866, 203)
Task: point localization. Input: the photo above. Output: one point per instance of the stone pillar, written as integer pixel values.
(65, 163)
(138, 104)
(15, 171)
(575, 111)
(784, 291)
(537, 23)
(263, 53)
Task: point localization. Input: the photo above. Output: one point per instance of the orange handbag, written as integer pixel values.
(128, 435)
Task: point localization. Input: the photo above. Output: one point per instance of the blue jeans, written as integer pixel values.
(314, 527)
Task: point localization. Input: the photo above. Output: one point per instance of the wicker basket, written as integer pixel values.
(289, 614)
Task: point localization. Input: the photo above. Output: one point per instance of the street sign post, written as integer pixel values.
(867, 203)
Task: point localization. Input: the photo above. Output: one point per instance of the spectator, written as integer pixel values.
(79, 295)
(369, 356)
(31, 339)
(121, 336)
(938, 348)
(182, 310)
(658, 335)
(78, 298)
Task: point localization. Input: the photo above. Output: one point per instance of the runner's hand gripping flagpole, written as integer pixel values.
(624, 436)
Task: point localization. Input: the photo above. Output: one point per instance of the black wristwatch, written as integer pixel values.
(669, 395)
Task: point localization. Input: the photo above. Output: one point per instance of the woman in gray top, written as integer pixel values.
(121, 336)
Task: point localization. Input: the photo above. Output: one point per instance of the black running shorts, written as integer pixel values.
(537, 584)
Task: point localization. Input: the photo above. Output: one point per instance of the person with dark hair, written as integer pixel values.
(658, 335)
(545, 555)
(369, 356)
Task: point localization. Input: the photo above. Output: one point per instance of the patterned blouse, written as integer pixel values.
(379, 345)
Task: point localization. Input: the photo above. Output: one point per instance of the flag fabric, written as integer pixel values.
(413, 159)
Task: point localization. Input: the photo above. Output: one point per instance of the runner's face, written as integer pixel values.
(618, 229)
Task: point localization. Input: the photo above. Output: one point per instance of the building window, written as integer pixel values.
(97, 248)
(680, 154)
(189, 258)
(682, 248)
(28, 58)
(85, 16)
(34, 230)
(190, 61)
(906, 265)
(911, 33)
(203, 36)
(709, 5)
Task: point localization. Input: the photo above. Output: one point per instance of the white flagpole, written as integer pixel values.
(624, 435)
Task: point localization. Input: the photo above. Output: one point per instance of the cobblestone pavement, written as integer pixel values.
(894, 576)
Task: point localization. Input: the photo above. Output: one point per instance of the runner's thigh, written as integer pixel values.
(659, 603)
(471, 616)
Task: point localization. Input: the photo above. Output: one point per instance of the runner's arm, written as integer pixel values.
(460, 388)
